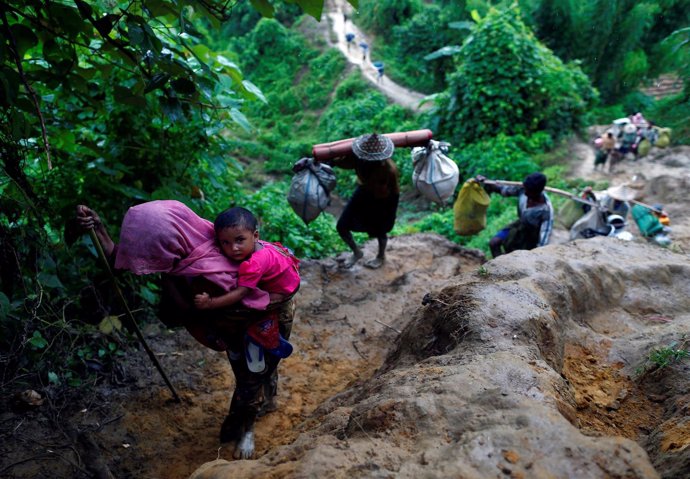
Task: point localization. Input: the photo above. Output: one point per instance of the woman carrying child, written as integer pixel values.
(266, 266)
(167, 237)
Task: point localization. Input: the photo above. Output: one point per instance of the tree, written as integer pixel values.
(508, 82)
(618, 42)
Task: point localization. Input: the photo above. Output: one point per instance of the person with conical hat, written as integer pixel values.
(616, 199)
(374, 204)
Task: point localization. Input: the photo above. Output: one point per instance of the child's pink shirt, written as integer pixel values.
(270, 270)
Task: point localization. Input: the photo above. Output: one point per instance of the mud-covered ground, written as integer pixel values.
(510, 358)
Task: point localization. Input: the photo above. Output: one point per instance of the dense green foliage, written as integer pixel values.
(108, 105)
(620, 43)
(507, 82)
(407, 32)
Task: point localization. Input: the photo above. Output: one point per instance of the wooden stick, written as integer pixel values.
(567, 194)
(132, 323)
(388, 326)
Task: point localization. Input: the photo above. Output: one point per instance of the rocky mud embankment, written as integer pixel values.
(533, 365)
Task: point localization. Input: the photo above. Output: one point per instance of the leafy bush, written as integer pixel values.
(379, 15)
(427, 31)
(507, 82)
(620, 43)
(358, 109)
(674, 112)
(503, 156)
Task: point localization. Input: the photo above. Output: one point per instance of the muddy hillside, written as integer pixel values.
(558, 362)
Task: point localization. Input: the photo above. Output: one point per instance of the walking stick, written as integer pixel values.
(547, 188)
(130, 316)
(568, 194)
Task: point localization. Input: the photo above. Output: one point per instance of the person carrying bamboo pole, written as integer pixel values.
(373, 206)
(535, 215)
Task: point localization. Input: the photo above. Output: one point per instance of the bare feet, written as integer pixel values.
(375, 263)
(350, 262)
(245, 447)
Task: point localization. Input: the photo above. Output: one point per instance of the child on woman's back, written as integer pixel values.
(267, 266)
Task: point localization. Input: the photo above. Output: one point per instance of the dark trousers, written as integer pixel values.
(253, 390)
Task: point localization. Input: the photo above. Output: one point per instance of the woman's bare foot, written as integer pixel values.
(245, 446)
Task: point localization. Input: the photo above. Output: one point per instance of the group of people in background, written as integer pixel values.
(350, 39)
(623, 138)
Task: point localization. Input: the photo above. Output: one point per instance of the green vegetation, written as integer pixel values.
(506, 82)
(662, 357)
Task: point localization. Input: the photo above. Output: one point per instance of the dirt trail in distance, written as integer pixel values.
(337, 11)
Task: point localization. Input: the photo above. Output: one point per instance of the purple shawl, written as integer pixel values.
(166, 236)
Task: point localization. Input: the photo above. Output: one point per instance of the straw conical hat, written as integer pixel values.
(622, 193)
(373, 147)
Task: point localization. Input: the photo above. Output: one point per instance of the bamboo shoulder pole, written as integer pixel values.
(567, 194)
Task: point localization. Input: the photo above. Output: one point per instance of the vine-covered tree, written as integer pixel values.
(507, 82)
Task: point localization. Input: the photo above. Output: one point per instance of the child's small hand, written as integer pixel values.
(202, 301)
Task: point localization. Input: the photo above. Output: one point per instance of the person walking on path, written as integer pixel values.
(365, 48)
(167, 237)
(374, 204)
(350, 38)
(379, 71)
(535, 215)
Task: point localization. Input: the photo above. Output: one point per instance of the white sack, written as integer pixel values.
(435, 175)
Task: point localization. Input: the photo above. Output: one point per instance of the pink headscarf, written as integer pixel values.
(166, 236)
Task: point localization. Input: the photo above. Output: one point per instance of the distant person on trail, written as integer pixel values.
(535, 213)
(373, 206)
(629, 140)
(379, 71)
(350, 38)
(167, 237)
(365, 48)
(606, 144)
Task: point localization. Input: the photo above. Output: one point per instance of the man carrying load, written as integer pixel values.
(535, 213)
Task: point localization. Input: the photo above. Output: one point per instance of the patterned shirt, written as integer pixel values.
(539, 216)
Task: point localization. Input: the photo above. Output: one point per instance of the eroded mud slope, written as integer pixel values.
(534, 365)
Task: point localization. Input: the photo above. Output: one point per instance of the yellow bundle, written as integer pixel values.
(569, 213)
(470, 209)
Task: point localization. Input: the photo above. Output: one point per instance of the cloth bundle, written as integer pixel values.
(310, 189)
(435, 175)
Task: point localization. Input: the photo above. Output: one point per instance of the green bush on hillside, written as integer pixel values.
(501, 157)
(507, 82)
(379, 16)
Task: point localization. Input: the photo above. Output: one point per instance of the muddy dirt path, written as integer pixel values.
(665, 173)
(345, 323)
